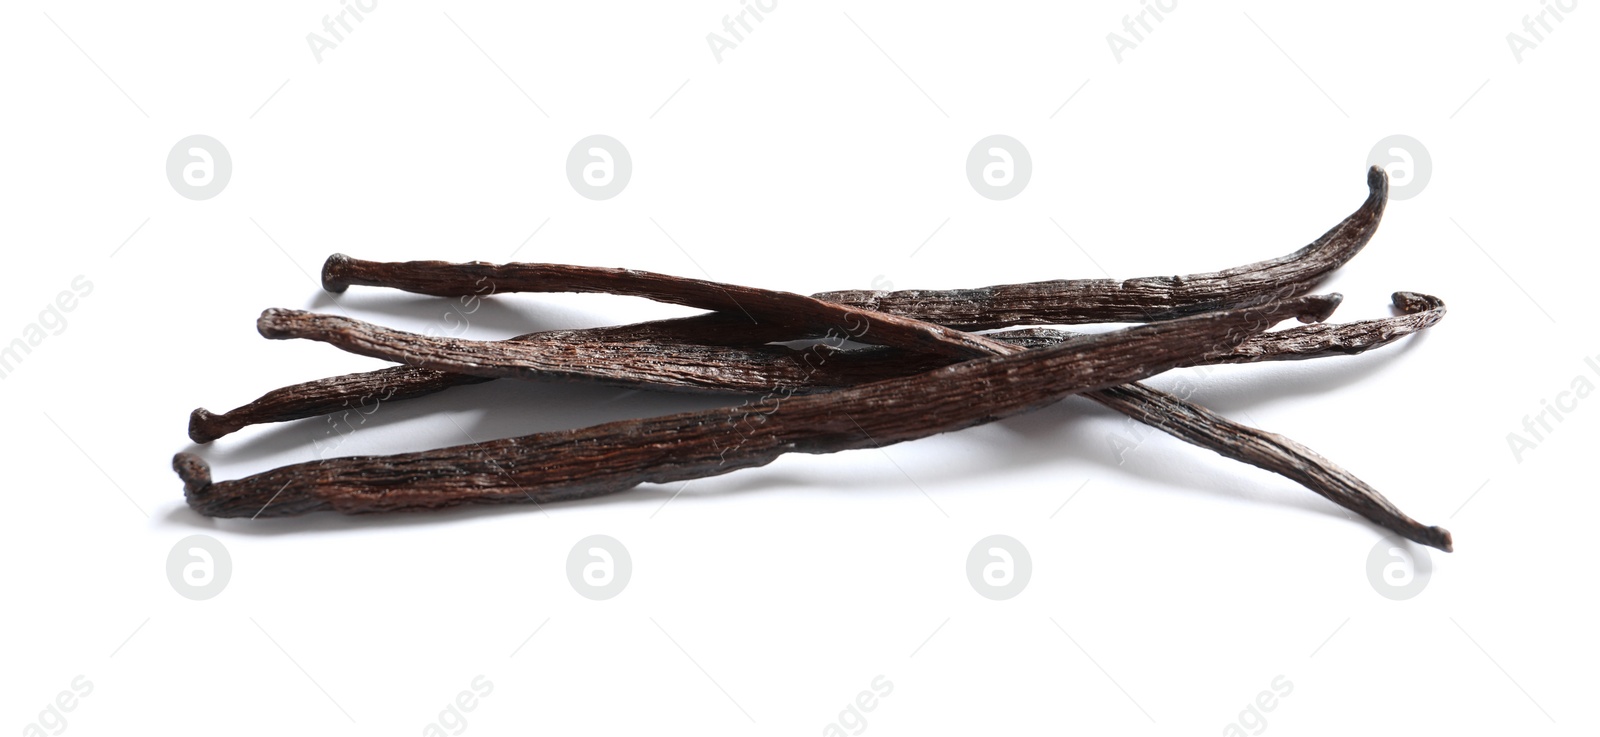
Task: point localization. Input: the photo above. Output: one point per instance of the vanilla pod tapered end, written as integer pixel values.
(1320, 307)
(1411, 303)
(271, 324)
(227, 499)
(1378, 181)
(1440, 538)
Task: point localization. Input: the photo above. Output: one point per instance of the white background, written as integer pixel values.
(821, 153)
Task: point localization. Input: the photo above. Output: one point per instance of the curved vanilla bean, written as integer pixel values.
(1078, 301)
(794, 311)
(349, 392)
(1057, 302)
(1276, 453)
(701, 368)
(615, 456)
(750, 369)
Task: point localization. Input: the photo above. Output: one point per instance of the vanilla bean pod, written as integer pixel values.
(1078, 301)
(795, 312)
(1270, 451)
(1058, 302)
(702, 368)
(615, 456)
